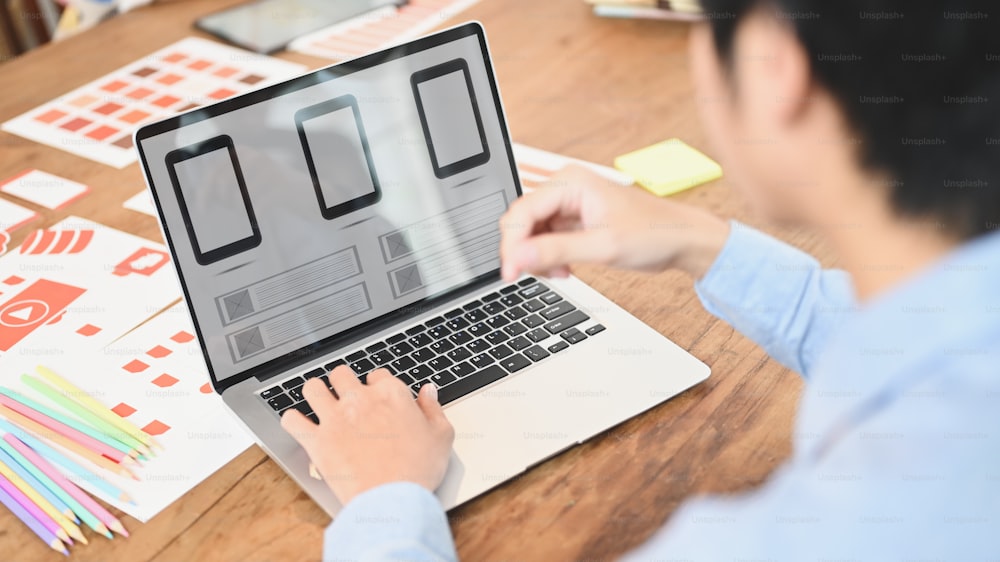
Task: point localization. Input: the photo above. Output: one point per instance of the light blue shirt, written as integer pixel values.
(896, 449)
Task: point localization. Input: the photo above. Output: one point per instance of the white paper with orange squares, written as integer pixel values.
(79, 285)
(96, 120)
(77, 298)
(155, 377)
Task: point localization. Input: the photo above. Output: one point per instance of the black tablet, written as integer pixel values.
(213, 199)
(266, 26)
(338, 156)
(449, 116)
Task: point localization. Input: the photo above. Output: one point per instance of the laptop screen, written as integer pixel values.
(323, 204)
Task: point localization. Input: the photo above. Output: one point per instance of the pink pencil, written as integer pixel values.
(79, 495)
(34, 510)
(63, 429)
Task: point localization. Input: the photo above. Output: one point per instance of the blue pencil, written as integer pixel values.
(65, 462)
(35, 525)
(42, 490)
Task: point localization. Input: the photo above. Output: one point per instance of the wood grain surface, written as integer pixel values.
(571, 83)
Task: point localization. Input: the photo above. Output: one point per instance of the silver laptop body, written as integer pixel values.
(350, 215)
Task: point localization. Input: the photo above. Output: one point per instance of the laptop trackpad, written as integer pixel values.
(503, 430)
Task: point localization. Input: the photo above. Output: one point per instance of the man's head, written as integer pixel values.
(903, 93)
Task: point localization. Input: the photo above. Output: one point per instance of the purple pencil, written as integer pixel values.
(34, 509)
(8, 499)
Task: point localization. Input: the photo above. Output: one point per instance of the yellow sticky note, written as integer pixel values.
(668, 167)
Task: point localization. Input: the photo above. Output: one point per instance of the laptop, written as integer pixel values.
(350, 216)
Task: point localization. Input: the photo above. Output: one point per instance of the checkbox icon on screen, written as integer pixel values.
(408, 279)
(397, 244)
(249, 342)
(238, 305)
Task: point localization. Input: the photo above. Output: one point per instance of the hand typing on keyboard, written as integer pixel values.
(373, 434)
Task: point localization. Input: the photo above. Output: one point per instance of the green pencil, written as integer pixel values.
(86, 516)
(85, 414)
(31, 480)
(71, 422)
(62, 460)
(74, 392)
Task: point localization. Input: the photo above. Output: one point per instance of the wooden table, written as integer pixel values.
(574, 84)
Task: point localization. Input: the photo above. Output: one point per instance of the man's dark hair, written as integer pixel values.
(919, 83)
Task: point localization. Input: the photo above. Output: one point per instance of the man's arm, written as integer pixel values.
(776, 295)
(398, 521)
(381, 452)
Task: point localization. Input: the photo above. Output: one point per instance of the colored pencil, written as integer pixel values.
(70, 499)
(101, 443)
(86, 415)
(68, 464)
(31, 479)
(83, 398)
(86, 502)
(63, 521)
(59, 427)
(65, 443)
(47, 536)
(35, 511)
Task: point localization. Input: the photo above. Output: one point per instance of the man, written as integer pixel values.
(872, 123)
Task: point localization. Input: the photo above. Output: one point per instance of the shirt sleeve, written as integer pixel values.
(776, 295)
(396, 521)
(903, 483)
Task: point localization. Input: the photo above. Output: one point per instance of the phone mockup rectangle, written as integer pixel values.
(338, 156)
(213, 199)
(449, 116)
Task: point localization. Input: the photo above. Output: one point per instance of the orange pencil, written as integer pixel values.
(64, 430)
(43, 432)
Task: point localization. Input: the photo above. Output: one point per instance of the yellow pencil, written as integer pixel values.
(99, 423)
(71, 529)
(41, 431)
(72, 466)
(31, 478)
(69, 426)
(96, 407)
(54, 477)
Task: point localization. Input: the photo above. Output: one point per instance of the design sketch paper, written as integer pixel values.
(45, 189)
(378, 29)
(141, 202)
(154, 377)
(96, 120)
(13, 216)
(535, 166)
(79, 284)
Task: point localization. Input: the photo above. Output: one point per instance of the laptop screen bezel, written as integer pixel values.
(322, 347)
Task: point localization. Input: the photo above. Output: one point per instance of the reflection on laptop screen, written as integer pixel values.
(303, 210)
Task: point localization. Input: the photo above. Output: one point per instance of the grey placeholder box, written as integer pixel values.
(339, 158)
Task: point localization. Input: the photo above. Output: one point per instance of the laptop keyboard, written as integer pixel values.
(464, 349)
